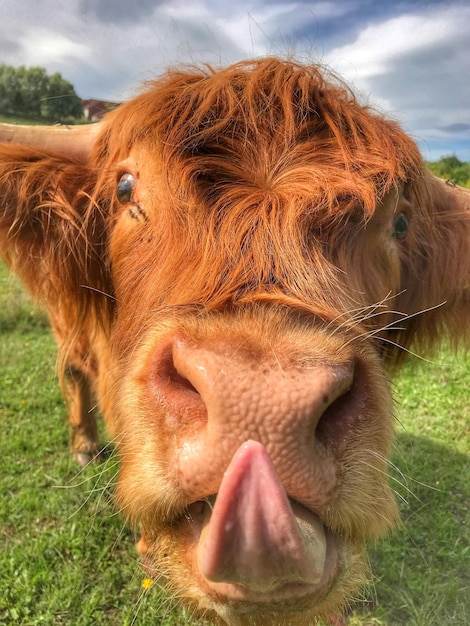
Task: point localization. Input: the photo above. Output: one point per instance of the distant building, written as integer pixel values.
(94, 110)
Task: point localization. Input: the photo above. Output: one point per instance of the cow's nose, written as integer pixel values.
(219, 395)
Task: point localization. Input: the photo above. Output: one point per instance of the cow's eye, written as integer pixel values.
(400, 226)
(125, 187)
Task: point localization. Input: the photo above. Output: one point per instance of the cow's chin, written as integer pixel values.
(273, 602)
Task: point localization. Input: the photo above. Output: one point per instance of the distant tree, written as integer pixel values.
(30, 92)
(451, 168)
(61, 101)
(33, 83)
(10, 91)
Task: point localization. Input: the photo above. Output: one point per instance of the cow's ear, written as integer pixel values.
(436, 266)
(52, 232)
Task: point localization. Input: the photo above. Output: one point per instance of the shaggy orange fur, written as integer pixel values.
(263, 222)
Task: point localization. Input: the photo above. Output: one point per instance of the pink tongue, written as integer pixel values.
(252, 537)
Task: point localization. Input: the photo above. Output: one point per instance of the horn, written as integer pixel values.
(457, 201)
(454, 202)
(460, 194)
(71, 141)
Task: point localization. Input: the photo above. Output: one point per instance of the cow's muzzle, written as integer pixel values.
(261, 432)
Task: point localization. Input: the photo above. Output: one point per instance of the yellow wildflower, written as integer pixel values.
(147, 583)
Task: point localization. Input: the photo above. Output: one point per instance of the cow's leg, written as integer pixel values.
(82, 416)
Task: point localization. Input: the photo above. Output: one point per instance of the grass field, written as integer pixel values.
(66, 557)
(14, 119)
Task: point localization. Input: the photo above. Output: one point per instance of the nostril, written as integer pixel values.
(172, 387)
(179, 381)
(342, 406)
(167, 373)
(335, 420)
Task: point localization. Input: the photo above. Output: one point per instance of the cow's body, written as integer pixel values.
(229, 268)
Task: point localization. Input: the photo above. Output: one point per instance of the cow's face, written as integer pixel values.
(254, 421)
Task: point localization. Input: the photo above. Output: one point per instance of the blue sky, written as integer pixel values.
(409, 58)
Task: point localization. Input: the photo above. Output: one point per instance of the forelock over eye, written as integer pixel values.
(125, 187)
(400, 226)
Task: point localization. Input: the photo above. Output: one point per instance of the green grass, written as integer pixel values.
(28, 121)
(423, 574)
(14, 119)
(66, 557)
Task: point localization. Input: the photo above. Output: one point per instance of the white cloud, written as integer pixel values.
(43, 47)
(380, 45)
(415, 68)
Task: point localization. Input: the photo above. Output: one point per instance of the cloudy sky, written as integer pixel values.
(410, 58)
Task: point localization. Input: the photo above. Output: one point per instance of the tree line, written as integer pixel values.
(451, 168)
(32, 93)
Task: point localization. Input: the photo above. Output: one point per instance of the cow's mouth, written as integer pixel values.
(254, 545)
(290, 591)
